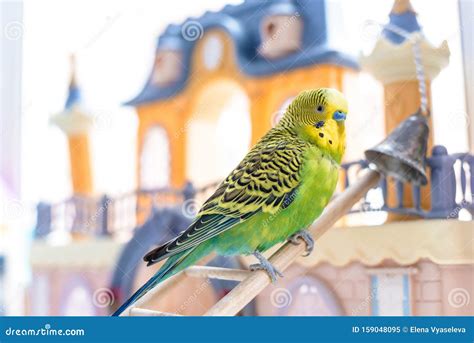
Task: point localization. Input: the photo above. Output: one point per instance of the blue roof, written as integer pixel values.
(242, 23)
(74, 92)
(73, 96)
(406, 20)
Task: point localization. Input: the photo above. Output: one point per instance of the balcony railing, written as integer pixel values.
(450, 187)
(450, 190)
(105, 215)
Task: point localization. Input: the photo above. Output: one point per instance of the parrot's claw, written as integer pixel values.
(266, 266)
(306, 237)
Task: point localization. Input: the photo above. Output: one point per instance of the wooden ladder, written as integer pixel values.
(252, 283)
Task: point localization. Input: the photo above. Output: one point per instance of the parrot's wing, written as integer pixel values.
(265, 181)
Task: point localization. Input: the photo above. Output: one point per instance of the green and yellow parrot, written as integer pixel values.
(274, 194)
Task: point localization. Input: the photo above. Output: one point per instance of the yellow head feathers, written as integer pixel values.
(318, 116)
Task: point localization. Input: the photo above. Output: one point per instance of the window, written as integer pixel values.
(306, 296)
(155, 160)
(218, 132)
(390, 293)
(77, 297)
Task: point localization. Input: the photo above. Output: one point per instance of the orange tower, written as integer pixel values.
(76, 125)
(392, 63)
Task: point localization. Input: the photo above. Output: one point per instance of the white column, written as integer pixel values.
(11, 32)
(466, 13)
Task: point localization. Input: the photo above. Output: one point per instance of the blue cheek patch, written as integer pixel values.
(319, 124)
(339, 116)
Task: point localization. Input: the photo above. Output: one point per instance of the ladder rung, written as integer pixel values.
(136, 311)
(162, 289)
(217, 273)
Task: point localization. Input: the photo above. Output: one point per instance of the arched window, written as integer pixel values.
(218, 131)
(77, 299)
(309, 296)
(155, 159)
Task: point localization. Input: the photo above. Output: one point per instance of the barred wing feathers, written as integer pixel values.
(265, 181)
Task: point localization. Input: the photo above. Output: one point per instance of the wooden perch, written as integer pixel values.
(143, 312)
(218, 273)
(252, 283)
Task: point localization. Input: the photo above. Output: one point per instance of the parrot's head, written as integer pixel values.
(318, 117)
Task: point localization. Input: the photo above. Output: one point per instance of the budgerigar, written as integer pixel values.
(274, 194)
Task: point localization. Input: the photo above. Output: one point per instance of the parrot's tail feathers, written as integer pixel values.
(138, 294)
(158, 254)
(168, 269)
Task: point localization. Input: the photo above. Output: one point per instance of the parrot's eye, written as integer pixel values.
(320, 109)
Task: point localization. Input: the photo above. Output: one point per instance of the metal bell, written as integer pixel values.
(402, 153)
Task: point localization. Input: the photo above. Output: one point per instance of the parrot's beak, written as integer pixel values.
(339, 116)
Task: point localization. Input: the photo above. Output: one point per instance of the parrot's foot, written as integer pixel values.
(306, 237)
(266, 266)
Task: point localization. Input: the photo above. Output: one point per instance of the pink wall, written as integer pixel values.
(443, 290)
(59, 285)
(435, 290)
(350, 286)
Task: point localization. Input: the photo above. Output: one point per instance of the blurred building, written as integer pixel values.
(247, 62)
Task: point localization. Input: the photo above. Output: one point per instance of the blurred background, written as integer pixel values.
(118, 118)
